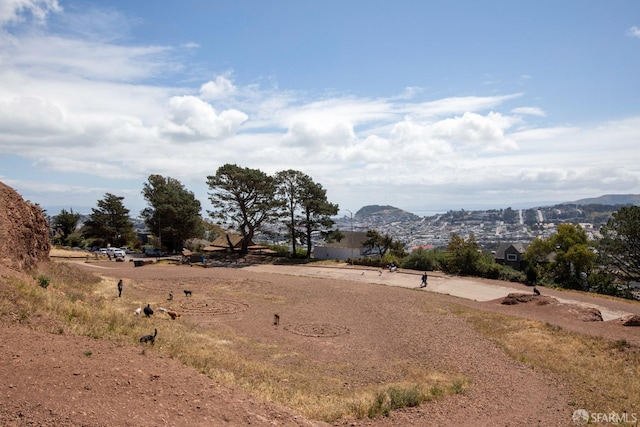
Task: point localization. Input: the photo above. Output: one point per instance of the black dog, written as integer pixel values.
(276, 319)
(187, 293)
(148, 311)
(536, 291)
(149, 338)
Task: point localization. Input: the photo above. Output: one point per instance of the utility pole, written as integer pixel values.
(351, 244)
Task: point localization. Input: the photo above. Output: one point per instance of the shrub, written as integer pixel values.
(395, 398)
(423, 260)
(43, 281)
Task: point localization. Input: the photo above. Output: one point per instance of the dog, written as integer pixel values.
(162, 309)
(148, 311)
(173, 314)
(170, 296)
(187, 293)
(137, 311)
(276, 319)
(149, 338)
(536, 291)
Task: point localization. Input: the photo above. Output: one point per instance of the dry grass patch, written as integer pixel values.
(604, 375)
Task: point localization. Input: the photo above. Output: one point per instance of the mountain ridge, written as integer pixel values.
(612, 200)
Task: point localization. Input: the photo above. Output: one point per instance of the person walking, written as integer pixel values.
(424, 280)
(119, 288)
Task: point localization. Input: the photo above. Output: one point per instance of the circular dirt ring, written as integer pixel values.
(317, 330)
(214, 307)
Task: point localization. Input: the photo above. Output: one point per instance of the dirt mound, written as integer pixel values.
(24, 232)
(515, 298)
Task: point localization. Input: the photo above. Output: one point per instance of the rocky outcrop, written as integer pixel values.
(24, 232)
(631, 320)
(586, 314)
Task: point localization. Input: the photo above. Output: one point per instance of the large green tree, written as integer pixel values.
(619, 248)
(381, 244)
(305, 207)
(289, 190)
(574, 257)
(244, 199)
(316, 212)
(173, 214)
(464, 256)
(109, 223)
(565, 258)
(64, 225)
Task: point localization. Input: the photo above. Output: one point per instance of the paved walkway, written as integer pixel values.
(438, 282)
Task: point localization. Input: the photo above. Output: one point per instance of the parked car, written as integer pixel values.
(115, 252)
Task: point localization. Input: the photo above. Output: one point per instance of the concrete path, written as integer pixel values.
(443, 284)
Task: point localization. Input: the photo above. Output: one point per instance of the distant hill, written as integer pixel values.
(377, 210)
(610, 199)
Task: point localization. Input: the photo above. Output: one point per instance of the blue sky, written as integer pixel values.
(426, 106)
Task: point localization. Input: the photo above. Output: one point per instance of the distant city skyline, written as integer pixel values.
(425, 106)
(86, 210)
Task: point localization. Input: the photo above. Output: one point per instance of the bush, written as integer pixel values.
(395, 398)
(423, 260)
(43, 281)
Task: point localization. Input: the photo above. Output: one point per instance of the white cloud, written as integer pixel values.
(532, 111)
(634, 32)
(65, 58)
(195, 119)
(307, 134)
(458, 105)
(474, 130)
(14, 11)
(221, 87)
(28, 117)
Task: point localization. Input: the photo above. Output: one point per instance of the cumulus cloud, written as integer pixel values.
(27, 117)
(477, 131)
(221, 87)
(193, 119)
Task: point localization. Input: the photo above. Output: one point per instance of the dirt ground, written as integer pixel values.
(354, 319)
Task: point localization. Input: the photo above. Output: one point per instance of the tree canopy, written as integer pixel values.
(464, 255)
(289, 189)
(305, 207)
(173, 214)
(64, 225)
(565, 258)
(109, 223)
(380, 244)
(619, 247)
(244, 199)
